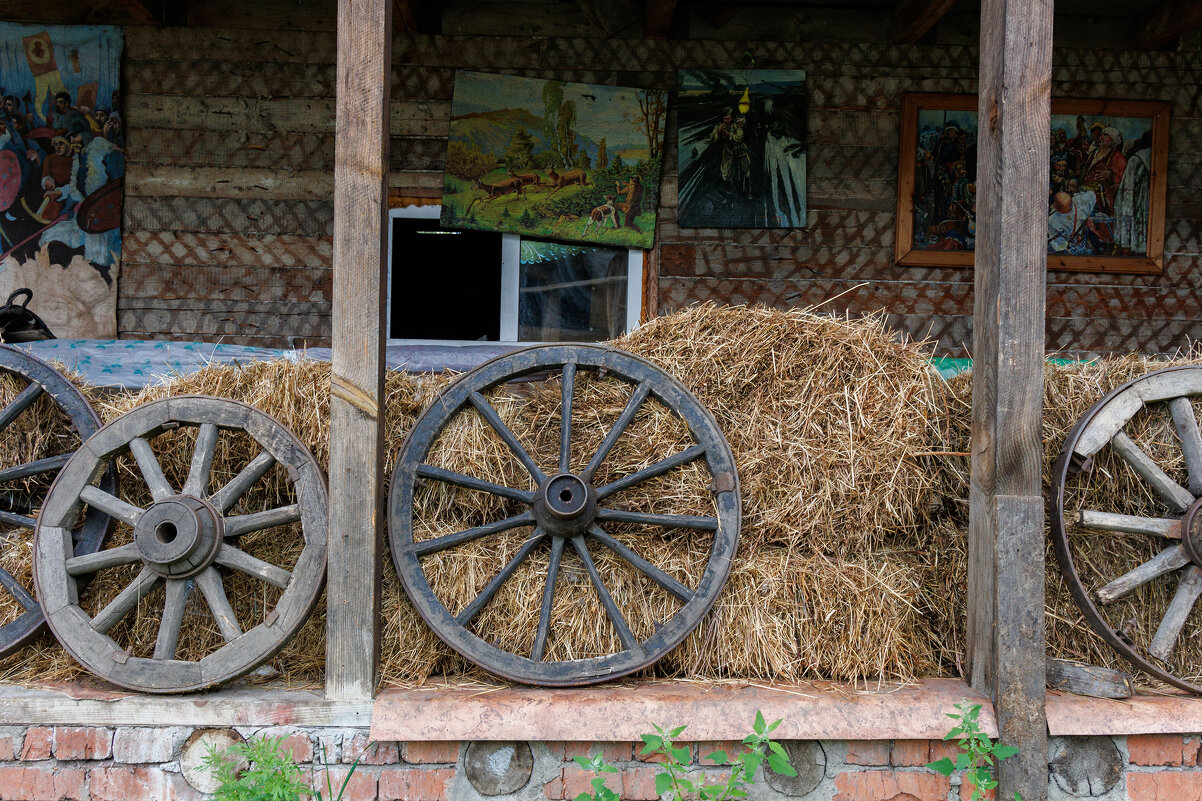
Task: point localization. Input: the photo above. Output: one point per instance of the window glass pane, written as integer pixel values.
(571, 292)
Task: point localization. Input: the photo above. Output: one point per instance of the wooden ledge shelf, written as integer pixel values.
(717, 711)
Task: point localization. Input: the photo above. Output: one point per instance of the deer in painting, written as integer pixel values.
(564, 179)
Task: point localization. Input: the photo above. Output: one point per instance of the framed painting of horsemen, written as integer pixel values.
(554, 159)
(741, 155)
(1107, 177)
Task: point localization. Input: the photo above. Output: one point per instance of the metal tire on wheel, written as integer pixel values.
(567, 513)
(16, 506)
(1174, 526)
(180, 540)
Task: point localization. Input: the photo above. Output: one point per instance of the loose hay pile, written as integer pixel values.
(852, 559)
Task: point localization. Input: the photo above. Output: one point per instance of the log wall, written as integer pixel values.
(229, 202)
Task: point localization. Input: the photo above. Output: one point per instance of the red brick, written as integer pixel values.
(944, 748)
(129, 784)
(610, 752)
(911, 753)
(431, 752)
(416, 784)
(1192, 746)
(39, 740)
(658, 757)
(638, 783)
(881, 785)
(554, 788)
(361, 787)
(867, 752)
(40, 784)
(376, 753)
(1165, 785)
(576, 780)
(1156, 749)
(82, 742)
(732, 748)
(966, 792)
(8, 748)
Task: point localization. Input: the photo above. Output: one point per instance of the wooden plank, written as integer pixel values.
(268, 15)
(140, 11)
(913, 18)
(228, 283)
(658, 18)
(210, 78)
(237, 45)
(293, 115)
(311, 218)
(1097, 682)
(1006, 548)
(158, 147)
(220, 182)
(189, 249)
(358, 338)
(1167, 22)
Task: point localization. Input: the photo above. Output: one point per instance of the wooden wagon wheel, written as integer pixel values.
(183, 540)
(18, 500)
(1170, 523)
(566, 511)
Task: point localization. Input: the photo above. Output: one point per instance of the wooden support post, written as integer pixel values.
(1006, 545)
(358, 338)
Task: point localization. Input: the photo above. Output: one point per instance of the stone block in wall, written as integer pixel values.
(148, 745)
(41, 783)
(38, 743)
(83, 742)
(416, 784)
(873, 785)
(130, 784)
(430, 753)
(362, 748)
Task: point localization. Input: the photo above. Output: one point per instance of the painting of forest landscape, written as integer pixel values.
(554, 159)
(742, 149)
(62, 168)
(1106, 189)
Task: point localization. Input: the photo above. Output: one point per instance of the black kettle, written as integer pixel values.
(18, 323)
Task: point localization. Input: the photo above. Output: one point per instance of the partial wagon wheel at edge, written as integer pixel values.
(566, 511)
(43, 379)
(179, 540)
(1180, 527)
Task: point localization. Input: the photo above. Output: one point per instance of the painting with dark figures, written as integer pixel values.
(1105, 199)
(554, 159)
(742, 149)
(62, 169)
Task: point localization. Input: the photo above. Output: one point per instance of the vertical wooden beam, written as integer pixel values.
(358, 339)
(1006, 538)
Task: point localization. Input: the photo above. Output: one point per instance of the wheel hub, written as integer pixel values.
(178, 536)
(1191, 532)
(565, 505)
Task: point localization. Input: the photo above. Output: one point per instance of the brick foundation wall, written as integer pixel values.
(89, 763)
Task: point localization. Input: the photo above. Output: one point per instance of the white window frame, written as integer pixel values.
(510, 266)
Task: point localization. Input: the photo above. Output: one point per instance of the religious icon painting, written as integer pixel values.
(742, 149)
(554, 159)
(62, 170)
(1107, 165)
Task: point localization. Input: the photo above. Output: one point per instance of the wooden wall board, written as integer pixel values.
(213, 78)
(247, 183)
(273, 284)
(191, 249)
(230, 215)
(198, 147)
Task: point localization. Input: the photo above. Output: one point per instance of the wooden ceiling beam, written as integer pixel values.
(141, 12)
(1167, 22)
(659, 18)
(913, 18)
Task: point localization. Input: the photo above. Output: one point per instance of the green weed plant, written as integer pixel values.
(978, 754)
(270, 773)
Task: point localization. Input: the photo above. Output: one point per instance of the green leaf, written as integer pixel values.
(963, 761)
(1004, 751)
(584, 797)
(781, 765)
(759, 722)
(682, 755)
(583, 762)
(718, 758)
(603, 768)
(677, 731)
(778, 749)
(663, 783)
(943, 766)
(652, 742)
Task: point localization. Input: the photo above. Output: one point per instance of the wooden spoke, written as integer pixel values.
(472, 483)
(125, 601)
(1176, 496)
(172, 620)
(112, 557)
(1166, 561)
(50, 464)
(19, 404)
(611, 608)
(498, 425)
(480, 601)
(197, 483)
(657, 469)
(632, 408)
(566, 390)
(451, 540)
(646, 568)
(697, 523)
(245, 563)
(152, 471)
(14, 519)
(1129, 524)
(209, 581)
(1188, 590)
(243, 524)
(544, 614)
(228, 495)
(1186, 424)
(110, 504)
(16, 590)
